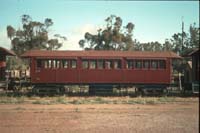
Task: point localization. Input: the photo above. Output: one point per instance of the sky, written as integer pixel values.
(153, 20)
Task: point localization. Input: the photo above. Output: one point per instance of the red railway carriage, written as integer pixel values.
(100, 67)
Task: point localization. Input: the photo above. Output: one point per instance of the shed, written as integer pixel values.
(195, 64)
(3, 53)
(195, 69)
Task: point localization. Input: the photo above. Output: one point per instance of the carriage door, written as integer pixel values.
(45, 71)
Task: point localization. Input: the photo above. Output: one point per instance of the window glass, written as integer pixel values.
(73, 63)
(146, 64)
(49, 63)
(54, 63)
(100, 64)
(39, 63)
(45, 63)
(65, 63)
(85, 64)
(117, 64)
(92, 64)
(138, 64)
(61, 64)
(129, 64)
(154, 64)
(108, 64)
(162, 64)
(58, 64)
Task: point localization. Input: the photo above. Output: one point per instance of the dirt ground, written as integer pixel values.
(177, 117)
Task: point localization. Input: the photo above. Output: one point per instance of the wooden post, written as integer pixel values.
(180, 83)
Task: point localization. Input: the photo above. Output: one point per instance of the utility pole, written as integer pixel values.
(180, 74)
(182, 33)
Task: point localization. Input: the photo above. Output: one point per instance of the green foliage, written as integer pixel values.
(112, 37)
(194, 36)
(181, 43)
(150, 46)
(15, 63)
(33, 35)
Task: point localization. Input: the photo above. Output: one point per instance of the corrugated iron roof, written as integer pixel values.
(92, 53)
(195, 51)
(4, 51)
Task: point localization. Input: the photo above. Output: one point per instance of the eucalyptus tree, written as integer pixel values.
(194, 36)
(112, 37)
(33, 35)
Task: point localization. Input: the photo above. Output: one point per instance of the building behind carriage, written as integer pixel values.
(3, 53)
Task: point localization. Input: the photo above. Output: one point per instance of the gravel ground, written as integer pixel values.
(177, 117)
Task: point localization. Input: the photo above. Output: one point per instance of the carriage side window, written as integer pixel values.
(154, 64)
(45, 63)
(58, 64)
(65, 63)
(73, 63)
(162, 64)
(53, 63)
(100, 64)
(129, 64)
(117, 64)
(108, 64)
(138, 64)
(61, 63)
(85, 64)
(92, 64)
(49, 63)
(39, 64)
(146, 64)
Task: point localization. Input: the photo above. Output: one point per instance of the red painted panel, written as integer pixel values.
(101, 76)
(146, 76)
(44, 76)
(133, 76)
(55, 76)
(67, 76)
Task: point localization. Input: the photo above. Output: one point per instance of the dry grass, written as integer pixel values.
(90, 100)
